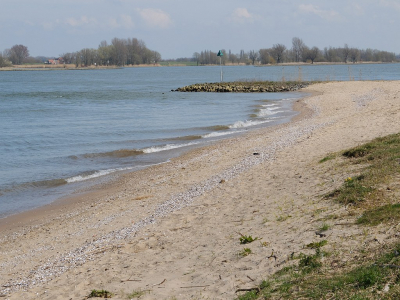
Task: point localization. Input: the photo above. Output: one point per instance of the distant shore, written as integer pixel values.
(44, 67)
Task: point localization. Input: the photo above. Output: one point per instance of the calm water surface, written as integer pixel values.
(64, 129)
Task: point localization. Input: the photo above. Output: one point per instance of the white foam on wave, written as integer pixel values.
(271, 108)
(166, 147)
(217, 134)
(95, 174)
(247, 123)
(268, 112)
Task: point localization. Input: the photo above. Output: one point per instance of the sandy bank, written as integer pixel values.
(173, 230)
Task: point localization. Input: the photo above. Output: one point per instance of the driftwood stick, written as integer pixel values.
(129, 279)
(248, 290)
(194, 286)
(250, 278)
(160, 282)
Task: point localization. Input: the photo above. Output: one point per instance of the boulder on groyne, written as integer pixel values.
(244, 87)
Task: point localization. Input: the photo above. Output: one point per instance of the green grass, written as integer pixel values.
(313, 276)
(283, 218)
(136, 294)
(100, 294)
(245, 252)
(381, 159)
(382, 214)
(327, 158)
(324, 227)
(244, 239)
(354, 191)
(310, 280)
(317, 244)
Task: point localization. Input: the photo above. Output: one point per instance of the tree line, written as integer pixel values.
(119, 52)
(131, 51)
(299, 52)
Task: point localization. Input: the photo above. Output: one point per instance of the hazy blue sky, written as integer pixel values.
(178, 28)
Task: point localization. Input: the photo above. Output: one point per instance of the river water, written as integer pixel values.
(63, 129)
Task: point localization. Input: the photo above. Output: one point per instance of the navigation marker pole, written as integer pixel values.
(220, 54)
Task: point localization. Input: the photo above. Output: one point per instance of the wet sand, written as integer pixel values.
(172, 231)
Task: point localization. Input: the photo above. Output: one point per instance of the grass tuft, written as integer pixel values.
(382, 214)
(136, 294)
(247, 239)
(245, 252)
(100, 294)
(327, 158)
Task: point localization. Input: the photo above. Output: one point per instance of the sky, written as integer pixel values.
(179, 28)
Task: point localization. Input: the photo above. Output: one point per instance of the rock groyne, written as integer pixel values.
(244, 87)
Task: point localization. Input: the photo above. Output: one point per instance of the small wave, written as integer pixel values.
(166, 147)
(289, 99)
(117, 153)
(91, 175)
(217, 128)
(268, 112)
(187, 138)
(271, 107)
(243, 124)
(34, 184)
(217, 134)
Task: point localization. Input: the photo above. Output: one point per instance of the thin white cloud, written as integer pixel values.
(357, 9)
(155, 17)
(324, 14)
(127, 21)
(82, 21)
(390, 3)
(47, 25)
(242, 15)
(124, 21)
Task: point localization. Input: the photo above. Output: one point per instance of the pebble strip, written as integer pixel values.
(90, 250)
(363, 100)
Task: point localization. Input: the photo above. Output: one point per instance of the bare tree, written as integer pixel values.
(345, 53)
(243, 57)
(354, 55)
(265, 57)
(18, 53)
(4, 62)
(253, 56)
(298, 48)
(196, 57)
(119, 51)
(312, 54)
(277, 52)
(156, 57)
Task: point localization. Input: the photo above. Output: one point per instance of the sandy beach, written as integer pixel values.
(172, 231)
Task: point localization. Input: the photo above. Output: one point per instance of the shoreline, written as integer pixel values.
(75, 190)
(33, 216)
(181, 217)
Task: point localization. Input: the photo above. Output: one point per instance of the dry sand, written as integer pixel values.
(173, 230)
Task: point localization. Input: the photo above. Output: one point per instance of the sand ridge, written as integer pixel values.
(172, 231)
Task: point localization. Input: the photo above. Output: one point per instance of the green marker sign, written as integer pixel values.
(220, 53)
